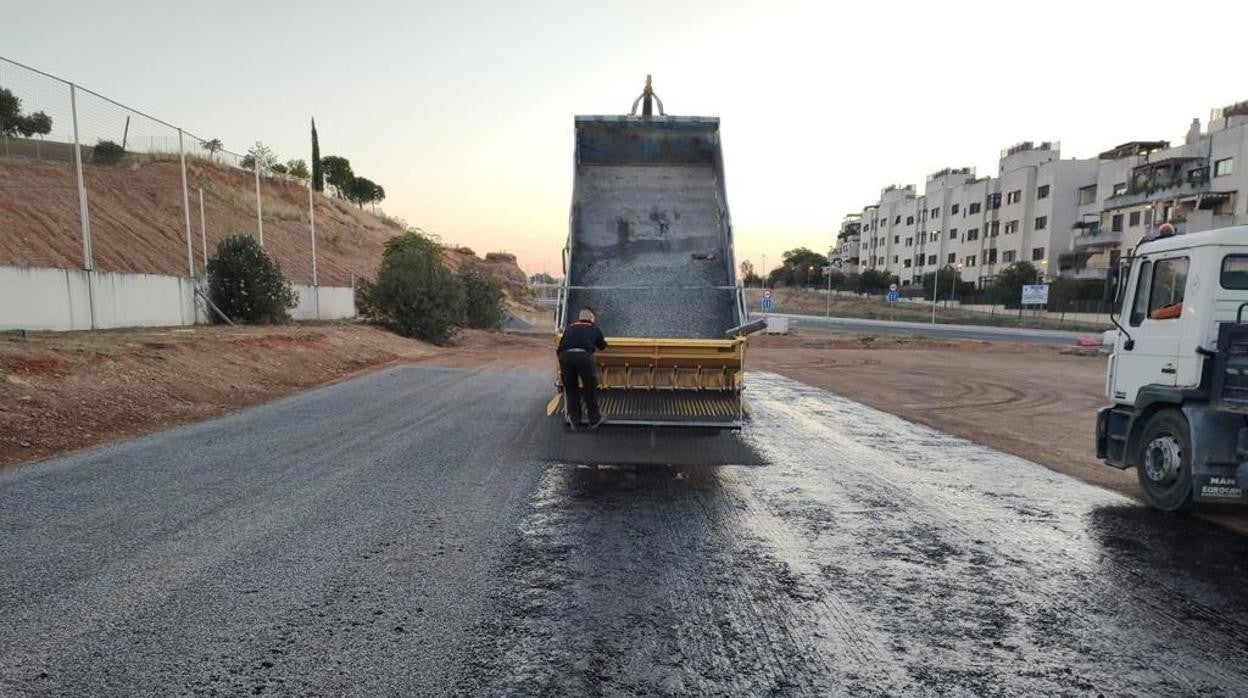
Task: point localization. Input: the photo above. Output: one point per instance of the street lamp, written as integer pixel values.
(953, 284)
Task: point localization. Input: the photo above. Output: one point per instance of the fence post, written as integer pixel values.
(203, 230)
(186, 208)
(316, 291)
(259, 205)
(88, 261)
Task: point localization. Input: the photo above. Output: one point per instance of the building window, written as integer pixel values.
(935, 235)
(1134, 219)
(894, 259)
(931, 259)
(1119, 189)
(909, 242)
(953, 233)
(936, 213)
(1042, 222)
(1011, 227)
(953, 257)
(1037, 254)
(990, 256)
(1008, 257)
(1116, 223)
(1087, 195)
(1042, 192)
(896, 239)
(970, 261)
(1014, 196)
(974, 208)
(994, 229)
(906, 264)
(1223, 167)
(994, 200)
(953, 210)
(972, 234)
(909, 220)
(897, 220)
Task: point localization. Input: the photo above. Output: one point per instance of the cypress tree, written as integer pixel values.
(318, 177)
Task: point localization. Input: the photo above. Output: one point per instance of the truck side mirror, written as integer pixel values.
(1111, 285)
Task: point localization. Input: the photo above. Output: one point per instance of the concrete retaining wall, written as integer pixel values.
(334, 303)
(35, 298)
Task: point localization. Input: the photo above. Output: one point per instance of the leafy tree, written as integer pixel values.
(337, 171)
(246, 284)
(14, 123)
(259, 156)
(279, 168)
(1009, 282)
(107, 153)
(297, 168)
(483, 299)
(542, 278)
(799, 267)
(318, 176)
(415, 294)
(949, 280)
(362, 190)
(213, 147)
(875, 282)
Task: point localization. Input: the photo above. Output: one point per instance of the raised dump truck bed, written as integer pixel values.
(650, 251)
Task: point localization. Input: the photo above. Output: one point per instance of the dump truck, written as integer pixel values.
(649, 250)
(1177, 379)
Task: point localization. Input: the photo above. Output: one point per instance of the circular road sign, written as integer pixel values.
(767, 294)
(892, 287)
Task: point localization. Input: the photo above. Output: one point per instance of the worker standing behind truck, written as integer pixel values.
(576, 363)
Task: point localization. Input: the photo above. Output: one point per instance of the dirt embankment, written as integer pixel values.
(64, 391)
(138, 222)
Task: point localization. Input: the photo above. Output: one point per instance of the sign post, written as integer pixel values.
(892, 300)
(767, 300)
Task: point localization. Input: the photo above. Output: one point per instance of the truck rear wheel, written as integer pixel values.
(1163, 462)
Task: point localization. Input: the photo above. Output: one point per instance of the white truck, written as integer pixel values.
(1177, 379)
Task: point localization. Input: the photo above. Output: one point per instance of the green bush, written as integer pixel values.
(483, 300)
(415, 294)
(246, 284)
(107, 153)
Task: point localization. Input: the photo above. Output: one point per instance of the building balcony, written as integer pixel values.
(1092, 238)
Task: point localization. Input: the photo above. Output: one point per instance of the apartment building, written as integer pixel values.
(1072, 217)
(846, 251)
(1198, 185)
(979, 224)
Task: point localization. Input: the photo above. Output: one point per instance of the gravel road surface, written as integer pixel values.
(427, 531)
(984, 333)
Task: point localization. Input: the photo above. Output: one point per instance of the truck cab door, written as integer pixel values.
(1154, 319)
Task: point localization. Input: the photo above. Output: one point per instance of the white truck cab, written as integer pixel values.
(1177, 380)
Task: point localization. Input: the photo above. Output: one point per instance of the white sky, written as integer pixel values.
(463, 110)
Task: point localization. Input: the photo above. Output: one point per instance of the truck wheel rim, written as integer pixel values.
(1162, 459)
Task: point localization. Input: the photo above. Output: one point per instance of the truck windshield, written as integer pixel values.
(1235, 272)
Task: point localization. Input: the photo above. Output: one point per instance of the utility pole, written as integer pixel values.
(203, 230)
(186, 209)
(259, 205)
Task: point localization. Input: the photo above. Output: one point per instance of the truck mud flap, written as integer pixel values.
(1226, 484)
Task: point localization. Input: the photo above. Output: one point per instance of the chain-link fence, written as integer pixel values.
(89, 183)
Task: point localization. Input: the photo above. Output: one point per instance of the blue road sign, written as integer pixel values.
(766, 305)
(892, 296)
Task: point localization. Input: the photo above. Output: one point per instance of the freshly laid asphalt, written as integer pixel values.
(987, 333)
(425, 531)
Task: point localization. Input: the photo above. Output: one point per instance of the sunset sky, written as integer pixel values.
(463, 110)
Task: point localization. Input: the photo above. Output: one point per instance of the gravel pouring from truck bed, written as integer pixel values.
(428, 531)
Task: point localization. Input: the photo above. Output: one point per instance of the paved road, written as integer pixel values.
(424, 531)
(972, 332)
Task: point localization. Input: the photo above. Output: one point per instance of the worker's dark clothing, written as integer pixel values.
(577, 369)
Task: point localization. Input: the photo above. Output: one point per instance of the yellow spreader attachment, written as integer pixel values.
(668, 382)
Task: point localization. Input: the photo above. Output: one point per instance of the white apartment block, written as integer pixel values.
(848, 244)
(1070, 217)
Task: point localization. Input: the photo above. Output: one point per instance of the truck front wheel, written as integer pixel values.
(1163, 462)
